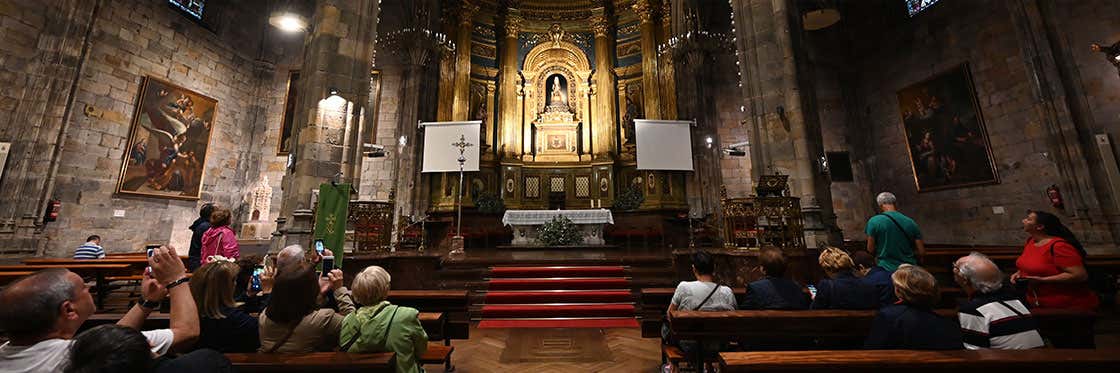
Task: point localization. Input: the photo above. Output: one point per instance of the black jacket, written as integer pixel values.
(845, 292)
(194, 256)
(906, 327)
(775, 293)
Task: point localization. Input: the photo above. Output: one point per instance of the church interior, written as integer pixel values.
(579, 185)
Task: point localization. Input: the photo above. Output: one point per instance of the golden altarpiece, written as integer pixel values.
(559, 137)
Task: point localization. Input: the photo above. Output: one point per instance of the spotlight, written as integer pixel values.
(288, 21)
(373, 150)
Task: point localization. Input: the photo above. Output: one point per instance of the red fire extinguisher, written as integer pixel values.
(54, 206)
(1055, 197)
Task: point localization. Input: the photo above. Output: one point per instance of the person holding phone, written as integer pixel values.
(295, 322)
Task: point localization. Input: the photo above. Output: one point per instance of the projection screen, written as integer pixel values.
(439, 153)
(664, 144)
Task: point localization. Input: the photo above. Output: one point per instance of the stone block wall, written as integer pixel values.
(892, 51)
(127, 41)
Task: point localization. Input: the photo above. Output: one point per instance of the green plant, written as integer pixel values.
(559, 231)
(629, 199)
(488, 203)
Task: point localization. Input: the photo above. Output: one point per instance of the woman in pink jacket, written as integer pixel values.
(219, 239)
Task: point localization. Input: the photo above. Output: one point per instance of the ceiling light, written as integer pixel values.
(288, 21)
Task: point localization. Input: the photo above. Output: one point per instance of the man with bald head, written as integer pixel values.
(991, 317)
(42, 312)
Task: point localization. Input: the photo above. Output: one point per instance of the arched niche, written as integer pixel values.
(557, 58)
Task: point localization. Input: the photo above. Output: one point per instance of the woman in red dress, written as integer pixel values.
(1053, 266)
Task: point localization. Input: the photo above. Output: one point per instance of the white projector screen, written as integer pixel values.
(440, 155)
(664, 144)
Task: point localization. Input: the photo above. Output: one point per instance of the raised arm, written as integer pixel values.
(168, 269)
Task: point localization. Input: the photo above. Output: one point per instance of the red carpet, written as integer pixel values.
(558, 297)
(578, 323)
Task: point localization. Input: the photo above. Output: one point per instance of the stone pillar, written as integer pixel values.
(460, 108)
(784, 123)
(510, 130)
(448, 68)
(650, 89)
(603, 128)
(337, 56)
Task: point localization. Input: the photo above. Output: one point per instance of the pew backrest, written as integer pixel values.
(986, 361)
(317, 362)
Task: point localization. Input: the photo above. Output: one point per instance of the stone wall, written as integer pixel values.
(891, 51)
(130, 40)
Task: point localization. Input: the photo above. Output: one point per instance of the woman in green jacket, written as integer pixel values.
(382, 327)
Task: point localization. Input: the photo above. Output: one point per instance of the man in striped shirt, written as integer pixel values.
(91, 249)
(991, 317)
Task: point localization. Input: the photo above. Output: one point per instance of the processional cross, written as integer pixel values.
(462, 144)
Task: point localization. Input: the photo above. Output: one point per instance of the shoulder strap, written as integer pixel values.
(707, 297)
(909, 239)
(283, 340)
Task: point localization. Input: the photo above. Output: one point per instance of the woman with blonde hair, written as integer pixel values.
(220, 240)
(842, 289)
(223, 326)
(911, 324)
(379, 326)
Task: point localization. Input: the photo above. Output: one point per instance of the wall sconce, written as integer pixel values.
(1111, 53)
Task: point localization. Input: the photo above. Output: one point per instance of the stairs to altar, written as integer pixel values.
(557, 297)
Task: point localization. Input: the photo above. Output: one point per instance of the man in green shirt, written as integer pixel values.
(892, 237)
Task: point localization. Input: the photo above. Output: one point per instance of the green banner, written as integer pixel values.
(330, 218)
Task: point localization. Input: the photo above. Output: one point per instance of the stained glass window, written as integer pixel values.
(917, 6)
(192, 7)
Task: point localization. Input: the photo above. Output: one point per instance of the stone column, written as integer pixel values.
(460, 108)
(784, 123)
(603, 128)
(510, 130)
(337, 56)
(650, 89)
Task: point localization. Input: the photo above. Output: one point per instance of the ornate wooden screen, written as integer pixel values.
(771, 219)
(373, 225)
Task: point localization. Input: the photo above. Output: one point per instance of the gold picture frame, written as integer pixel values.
(168, 142)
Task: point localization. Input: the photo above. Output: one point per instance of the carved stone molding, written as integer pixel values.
(644, 10)
(513, 23)
(600, 23)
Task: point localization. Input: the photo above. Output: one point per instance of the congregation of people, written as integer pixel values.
(224, 304)
(887, 277)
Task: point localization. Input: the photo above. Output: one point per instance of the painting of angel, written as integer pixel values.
(168, 142)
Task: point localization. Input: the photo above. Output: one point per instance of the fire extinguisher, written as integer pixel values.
(1055, 197)
(54, 206)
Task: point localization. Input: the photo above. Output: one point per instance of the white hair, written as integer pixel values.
(371, 286)
(972, 269)
(886, 198)
(289, 255)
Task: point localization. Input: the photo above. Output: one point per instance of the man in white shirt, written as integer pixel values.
(43, 311)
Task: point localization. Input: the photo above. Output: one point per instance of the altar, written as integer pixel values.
(526, 222)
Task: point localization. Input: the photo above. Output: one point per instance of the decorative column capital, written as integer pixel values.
(600, 23)
(667, 13)
(513, 23)
(644, 10)
(467, 10)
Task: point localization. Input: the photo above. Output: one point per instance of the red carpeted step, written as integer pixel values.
(558, 296)
(544, 272)
(547, 311)
(578, 323)
(559, 284)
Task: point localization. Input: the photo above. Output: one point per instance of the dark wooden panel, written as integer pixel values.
(318, 362)
(986, 361)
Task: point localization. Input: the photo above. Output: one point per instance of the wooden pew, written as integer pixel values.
(315, 362)
(961, 361)
(97, 270)
(454, 303)
(653, 303)
(433, 322)
(7, 277)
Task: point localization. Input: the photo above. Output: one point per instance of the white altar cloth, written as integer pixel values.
(525, 223)
(539, 217)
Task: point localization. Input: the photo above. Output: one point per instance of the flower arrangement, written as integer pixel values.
(560, 231)
(629, 199)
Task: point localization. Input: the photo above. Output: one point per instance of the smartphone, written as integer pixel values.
(319, 247)
(812, 291)
(151, 251)
(328, 265)
(255, 281)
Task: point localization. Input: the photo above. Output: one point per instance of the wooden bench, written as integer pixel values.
(97, 270)
(454, 303)
(315, 362)
(824, 329)
(10, 276)
(654, 301)
(433, 322)
(961, 361)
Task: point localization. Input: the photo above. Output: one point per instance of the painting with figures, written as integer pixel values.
(168, 143)
(945, 134)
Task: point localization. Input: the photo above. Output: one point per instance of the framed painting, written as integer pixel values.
(945, 133)
(284, 146)
(168, 143)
